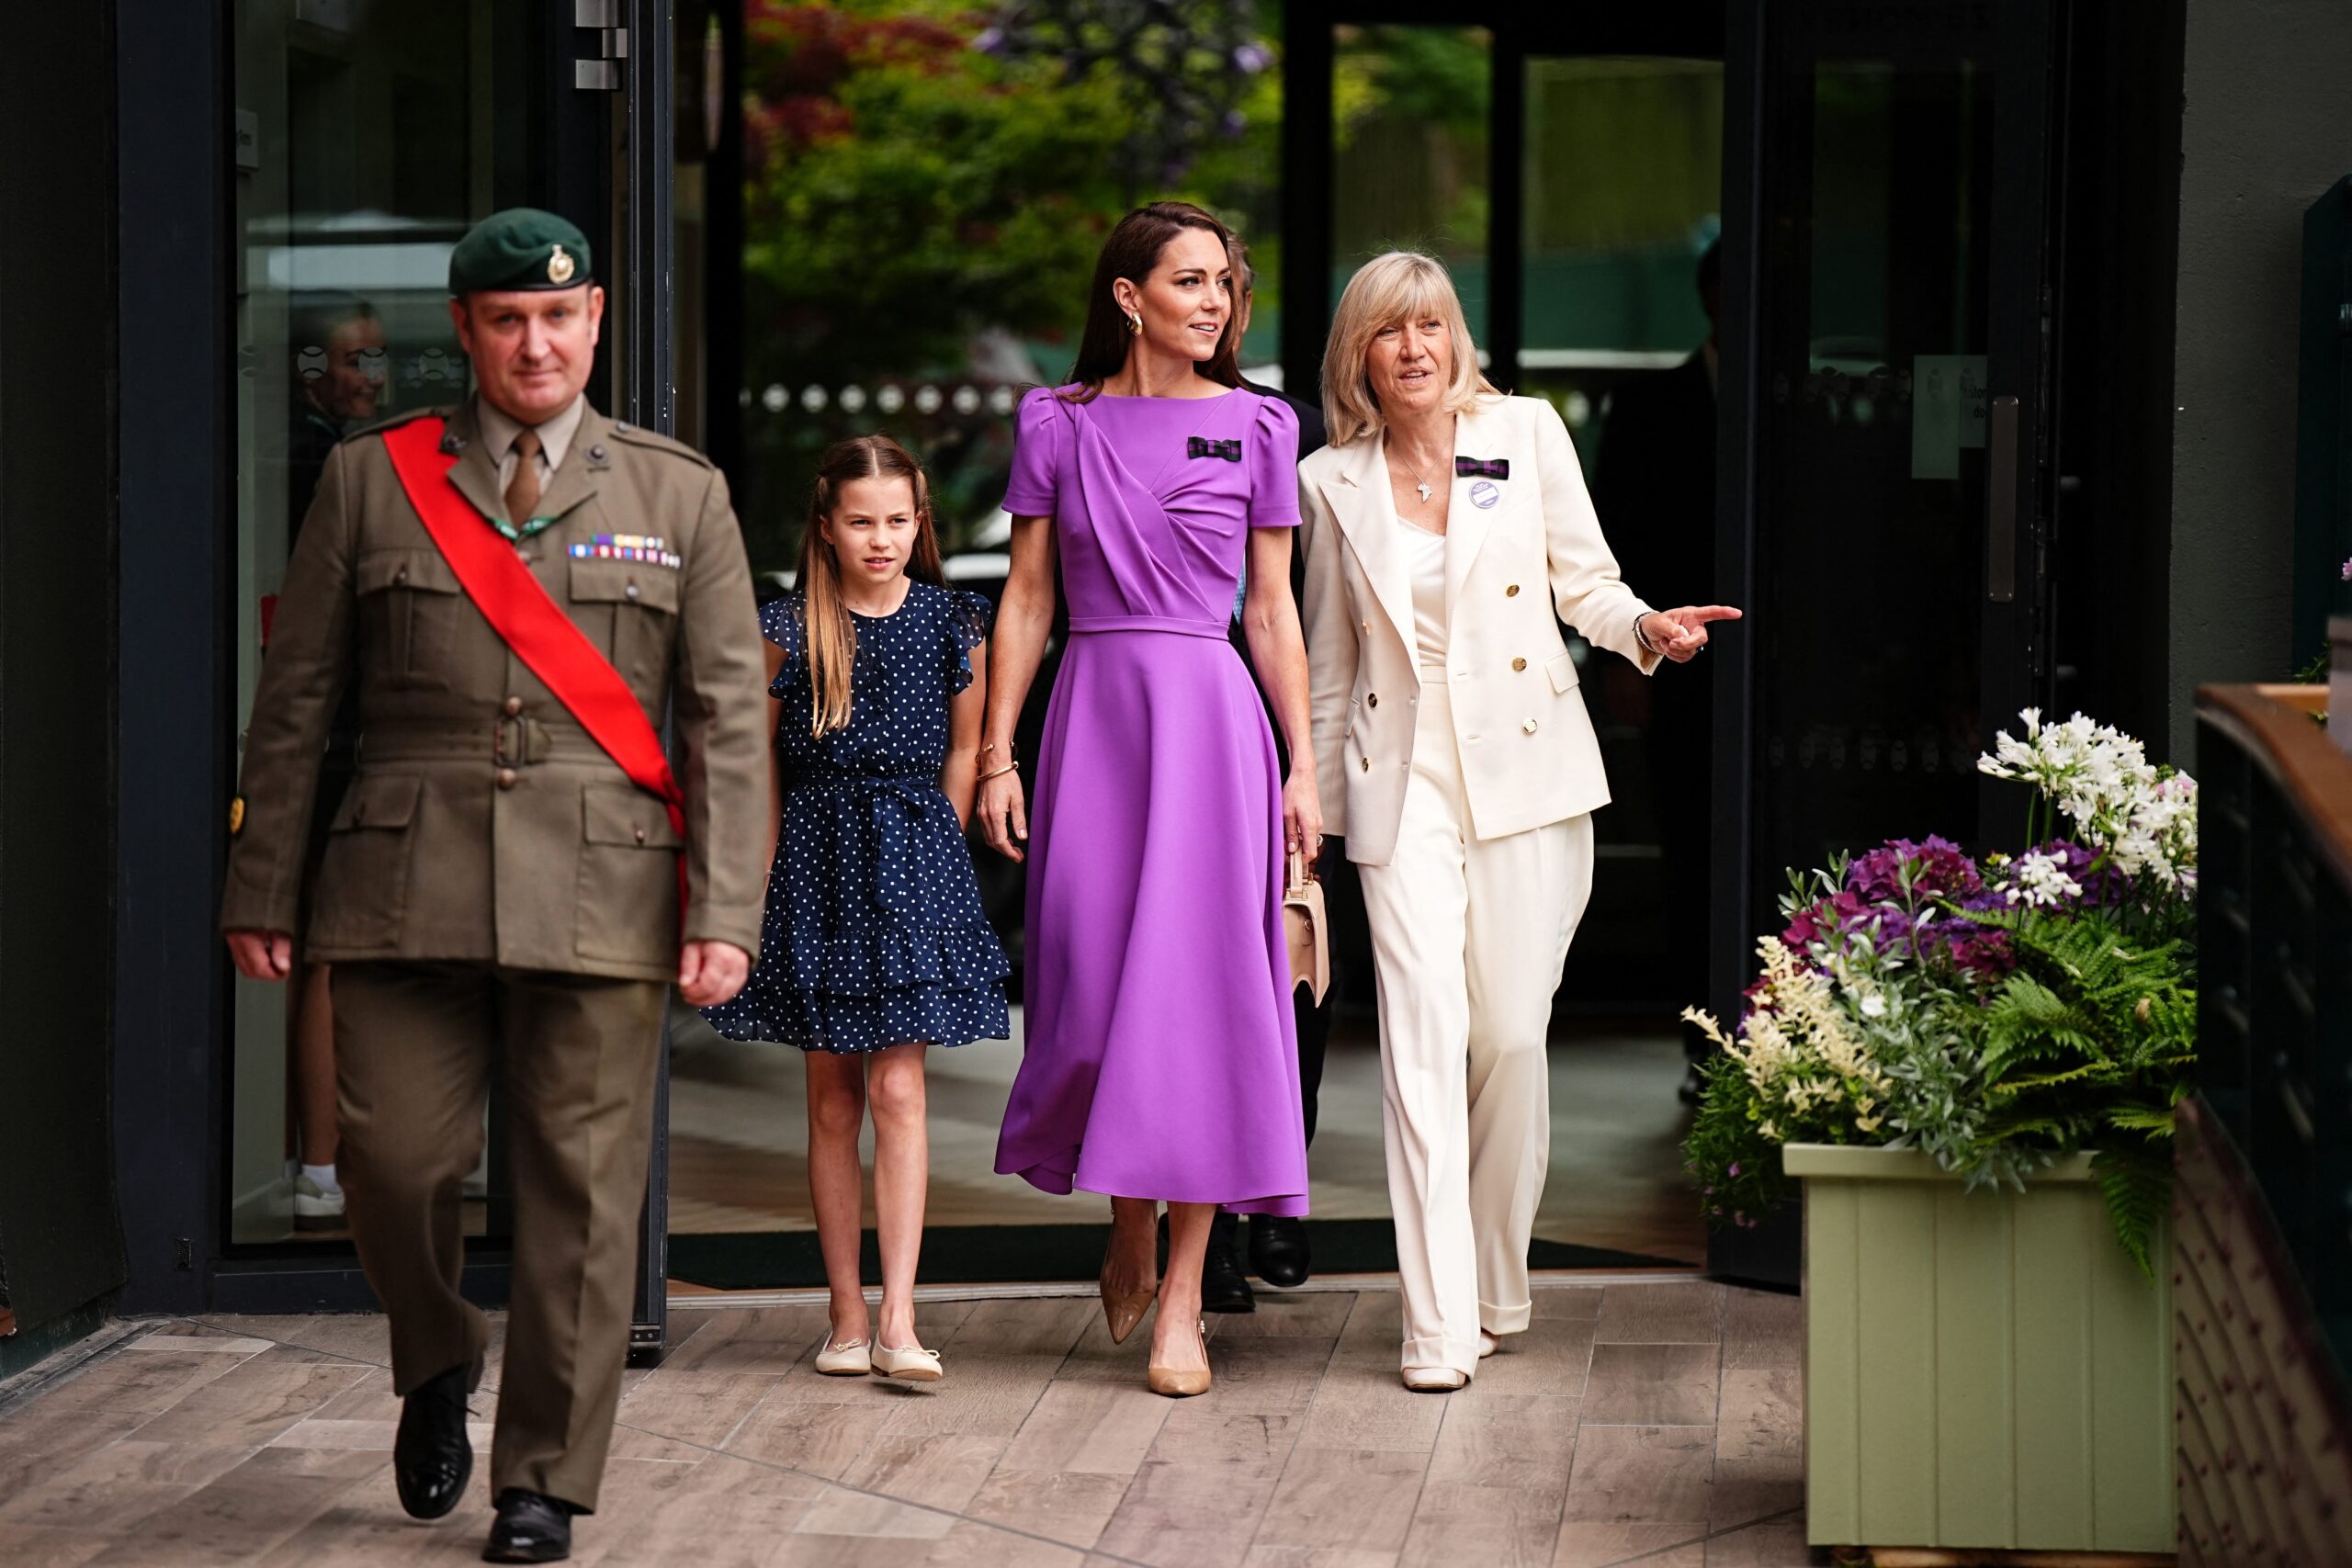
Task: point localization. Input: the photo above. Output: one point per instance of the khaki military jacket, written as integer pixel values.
(484, 825)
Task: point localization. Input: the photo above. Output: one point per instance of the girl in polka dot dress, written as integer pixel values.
(875, 945)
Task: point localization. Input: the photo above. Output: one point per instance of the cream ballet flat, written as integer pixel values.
(1488, 1344)
(853, 1360)
(1434, 1380)
(910, 1363)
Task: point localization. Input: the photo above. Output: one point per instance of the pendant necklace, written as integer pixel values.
(1418, 483)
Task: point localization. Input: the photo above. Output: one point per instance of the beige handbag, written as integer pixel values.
(1304, 931)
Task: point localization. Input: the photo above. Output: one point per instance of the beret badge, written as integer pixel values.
(560, 265)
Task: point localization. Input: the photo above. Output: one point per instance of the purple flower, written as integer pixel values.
(2348, 571)
(989, 41)
(1254, 58)
(1734, 1170)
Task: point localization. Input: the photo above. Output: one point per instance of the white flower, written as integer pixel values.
(2040, 880)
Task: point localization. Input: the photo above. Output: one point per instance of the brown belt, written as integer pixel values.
(505, 742)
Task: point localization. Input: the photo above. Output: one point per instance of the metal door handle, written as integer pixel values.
(2001, 507)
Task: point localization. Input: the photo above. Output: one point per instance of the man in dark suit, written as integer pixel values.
(1277, 1248)
(1654, 491)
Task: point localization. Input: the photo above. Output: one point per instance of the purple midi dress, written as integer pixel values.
(1158, 1059)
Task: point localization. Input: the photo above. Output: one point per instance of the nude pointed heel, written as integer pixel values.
(1174, 1385)
(1123, 1309)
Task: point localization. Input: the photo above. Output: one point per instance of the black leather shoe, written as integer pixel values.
(1278, 1249)
(432, 1460)
(1224, 1288)
(530, 1528)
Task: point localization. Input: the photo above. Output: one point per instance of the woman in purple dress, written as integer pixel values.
(1159, 1063)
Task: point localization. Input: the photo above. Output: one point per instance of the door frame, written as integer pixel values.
(175, 265)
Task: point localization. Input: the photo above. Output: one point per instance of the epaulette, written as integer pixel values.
(638, 435)
(394, 420)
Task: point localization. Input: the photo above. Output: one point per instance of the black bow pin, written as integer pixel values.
(1200, 446)
(1474, 467)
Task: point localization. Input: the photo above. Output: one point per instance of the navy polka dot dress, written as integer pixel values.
(874, 933)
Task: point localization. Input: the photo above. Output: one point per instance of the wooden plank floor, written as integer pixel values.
(1654, 1422)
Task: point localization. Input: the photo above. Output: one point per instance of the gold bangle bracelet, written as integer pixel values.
(995, 773)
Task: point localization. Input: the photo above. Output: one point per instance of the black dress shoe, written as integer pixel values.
(432, 1460)
(530, 1528)
(1278, 1249)
(1224, 1288)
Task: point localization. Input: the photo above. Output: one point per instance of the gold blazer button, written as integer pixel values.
(1518, 663)
(1512, 592)
(1371, 699)
(1367, 764)
(1527, 726)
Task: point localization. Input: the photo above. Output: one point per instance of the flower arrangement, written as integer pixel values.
(1994, 1014)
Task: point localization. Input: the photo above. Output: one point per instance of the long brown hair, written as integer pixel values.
(830, 636)
(1131, 251)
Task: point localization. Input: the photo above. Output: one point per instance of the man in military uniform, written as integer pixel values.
(519, 589)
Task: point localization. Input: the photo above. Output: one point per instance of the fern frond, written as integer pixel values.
(2138, 1189)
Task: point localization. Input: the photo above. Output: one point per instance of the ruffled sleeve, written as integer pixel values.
(780, 624)
(1273, 457)
(967, 627)
(1040, 428)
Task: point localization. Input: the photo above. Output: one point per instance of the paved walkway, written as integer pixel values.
(1653, 1422)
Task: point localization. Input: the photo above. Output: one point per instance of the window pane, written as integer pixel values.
(1408, 157)
(369, 135)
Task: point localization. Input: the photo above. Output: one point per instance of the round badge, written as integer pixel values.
(236, 815)
(560, 265)
(1483, 495)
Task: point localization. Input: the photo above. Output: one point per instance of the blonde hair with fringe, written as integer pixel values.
(829, 636)
(1400, 285)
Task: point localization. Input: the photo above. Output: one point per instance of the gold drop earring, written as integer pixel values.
(1134, 324)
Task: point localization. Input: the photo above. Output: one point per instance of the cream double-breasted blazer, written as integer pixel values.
(1516, 547)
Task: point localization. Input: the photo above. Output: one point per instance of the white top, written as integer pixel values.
(1425, 559)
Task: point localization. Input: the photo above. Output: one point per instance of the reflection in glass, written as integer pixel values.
(1408, 156)
(1874, 337)
(377, 144)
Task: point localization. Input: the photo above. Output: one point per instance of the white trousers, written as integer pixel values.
(1469, 937)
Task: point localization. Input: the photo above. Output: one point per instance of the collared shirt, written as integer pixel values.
(499, 430)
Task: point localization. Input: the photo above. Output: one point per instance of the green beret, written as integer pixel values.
(520, 248)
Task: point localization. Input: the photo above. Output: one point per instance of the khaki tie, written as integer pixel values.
(523, 490)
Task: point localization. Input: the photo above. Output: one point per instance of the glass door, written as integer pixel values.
(369, 134)
(1896, 398)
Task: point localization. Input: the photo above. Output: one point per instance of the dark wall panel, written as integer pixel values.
(61, 1248)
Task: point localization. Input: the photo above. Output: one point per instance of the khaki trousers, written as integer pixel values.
(1469, 936)
(414, 1046)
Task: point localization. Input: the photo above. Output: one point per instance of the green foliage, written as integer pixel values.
(927, 182)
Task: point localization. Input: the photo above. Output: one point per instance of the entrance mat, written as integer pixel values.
(997, 1255)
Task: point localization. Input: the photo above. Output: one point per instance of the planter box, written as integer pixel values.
(1982, 1369)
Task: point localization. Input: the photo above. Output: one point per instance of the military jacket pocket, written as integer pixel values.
(629, 611)
(409, 603)
(363, 885)
(626, 907)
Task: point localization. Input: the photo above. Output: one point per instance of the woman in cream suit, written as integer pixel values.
(1444, 525)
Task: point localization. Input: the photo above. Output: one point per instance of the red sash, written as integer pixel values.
(547, 642)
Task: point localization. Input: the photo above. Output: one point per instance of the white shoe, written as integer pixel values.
(911, 1362)
(1434, 1380)
(1488, 1344)
(315, 1208)
(852, 1359)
